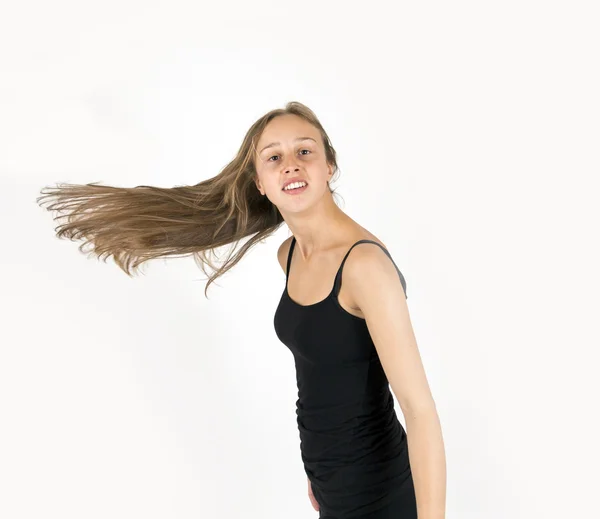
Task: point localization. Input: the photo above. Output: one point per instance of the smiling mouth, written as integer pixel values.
(295, 188)
(295, 191)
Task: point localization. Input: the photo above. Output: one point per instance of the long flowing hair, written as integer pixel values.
(136, 224)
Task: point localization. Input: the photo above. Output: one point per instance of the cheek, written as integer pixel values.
(270, 185)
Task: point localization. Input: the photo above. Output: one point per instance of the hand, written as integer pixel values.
(313, 501)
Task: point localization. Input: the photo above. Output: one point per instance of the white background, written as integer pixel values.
(468, 140)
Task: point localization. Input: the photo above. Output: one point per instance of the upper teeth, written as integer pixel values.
(294, 185)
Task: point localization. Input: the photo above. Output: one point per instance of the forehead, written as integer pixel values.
(286, 128)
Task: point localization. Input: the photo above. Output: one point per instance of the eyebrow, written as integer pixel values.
(277, 143)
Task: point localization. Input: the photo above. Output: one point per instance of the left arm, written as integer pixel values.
(375, 286)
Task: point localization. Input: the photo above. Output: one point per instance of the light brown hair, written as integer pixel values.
(136, 224)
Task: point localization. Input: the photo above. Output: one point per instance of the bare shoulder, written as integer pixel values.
(282, 253)
(367, 257)
(361, 233)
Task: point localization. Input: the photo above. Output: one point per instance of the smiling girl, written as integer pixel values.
(343, 312)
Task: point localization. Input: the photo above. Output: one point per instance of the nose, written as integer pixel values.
(290, 165)
(289, 168)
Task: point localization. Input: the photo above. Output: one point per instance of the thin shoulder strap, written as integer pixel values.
(338, 277)
(289, 259)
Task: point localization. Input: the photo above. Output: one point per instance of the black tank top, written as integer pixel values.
(353, 447)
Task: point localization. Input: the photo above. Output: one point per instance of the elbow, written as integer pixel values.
(419, 410)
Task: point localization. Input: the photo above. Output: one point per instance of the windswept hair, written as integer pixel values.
(136, 224)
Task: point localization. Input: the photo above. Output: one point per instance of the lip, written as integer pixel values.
(292, 180)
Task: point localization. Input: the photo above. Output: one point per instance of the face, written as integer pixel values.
(291, 148)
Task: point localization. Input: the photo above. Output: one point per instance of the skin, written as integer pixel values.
(324, 233)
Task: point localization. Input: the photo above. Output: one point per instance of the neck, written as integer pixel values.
(319, 228)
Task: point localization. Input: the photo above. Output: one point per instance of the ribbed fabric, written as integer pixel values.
(353, 447)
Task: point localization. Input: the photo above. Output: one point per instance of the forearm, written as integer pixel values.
(428, 462)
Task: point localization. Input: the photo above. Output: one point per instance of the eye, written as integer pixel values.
(269, 159)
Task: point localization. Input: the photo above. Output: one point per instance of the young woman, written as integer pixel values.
(343, 312)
